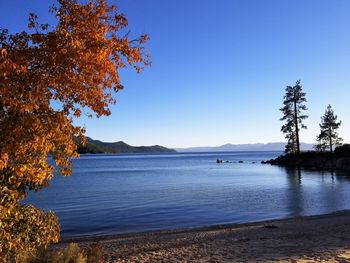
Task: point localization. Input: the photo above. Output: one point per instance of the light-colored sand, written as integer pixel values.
(308, 239)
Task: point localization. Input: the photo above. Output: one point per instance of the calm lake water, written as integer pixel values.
(110, 194)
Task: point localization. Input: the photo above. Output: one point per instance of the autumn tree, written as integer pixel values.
(75, 64)
(328, 137)
(293, 106)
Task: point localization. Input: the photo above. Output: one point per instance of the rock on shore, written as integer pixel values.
(337, 160)
(312, 160)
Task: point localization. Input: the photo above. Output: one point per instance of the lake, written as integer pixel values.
(110, 194)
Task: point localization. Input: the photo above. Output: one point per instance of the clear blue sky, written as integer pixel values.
(220, 68)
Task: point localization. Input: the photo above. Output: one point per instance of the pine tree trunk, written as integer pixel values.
(296, 125)
(330, 140)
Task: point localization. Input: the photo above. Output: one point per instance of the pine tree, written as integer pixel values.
(328, 136)
(293, 105)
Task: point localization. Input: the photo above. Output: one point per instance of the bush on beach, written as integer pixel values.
(72, 253)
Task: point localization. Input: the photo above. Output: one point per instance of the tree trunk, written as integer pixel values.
(330, 140)
(296, 125)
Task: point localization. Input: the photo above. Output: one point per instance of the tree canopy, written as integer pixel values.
(74, 64)
(328, 137)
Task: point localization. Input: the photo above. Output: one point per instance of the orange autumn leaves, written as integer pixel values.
(74, 65)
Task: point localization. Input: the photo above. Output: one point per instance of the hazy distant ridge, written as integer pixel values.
(272, 146)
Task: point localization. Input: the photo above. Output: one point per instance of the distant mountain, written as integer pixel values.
(96, 146)
(272, 146)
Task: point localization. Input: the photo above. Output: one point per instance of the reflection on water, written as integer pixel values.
(128, 193)
(328, 186)
(294, 192)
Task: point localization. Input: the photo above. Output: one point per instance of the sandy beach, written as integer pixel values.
(324, 238)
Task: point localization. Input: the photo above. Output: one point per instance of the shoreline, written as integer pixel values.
(94, 238)
(313, 238)
(316, 161)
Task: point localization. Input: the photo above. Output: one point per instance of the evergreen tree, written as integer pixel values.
(293, 105)
(328, 136)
